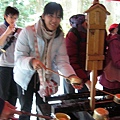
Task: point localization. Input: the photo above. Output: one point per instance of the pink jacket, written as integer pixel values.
(113, 53)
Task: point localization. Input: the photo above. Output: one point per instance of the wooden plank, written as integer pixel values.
(95, 57)
(93, 17)
(89, 65)
(101, 41)
(93, 83)
(96, 42)
(100, 27)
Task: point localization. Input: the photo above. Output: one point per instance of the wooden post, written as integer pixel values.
(96, 17)
(95, 1)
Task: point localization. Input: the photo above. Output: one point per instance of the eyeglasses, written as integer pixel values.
(12, 17)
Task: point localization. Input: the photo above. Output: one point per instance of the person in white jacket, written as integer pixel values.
(39, 47)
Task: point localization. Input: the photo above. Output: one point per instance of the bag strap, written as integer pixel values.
(7, 45)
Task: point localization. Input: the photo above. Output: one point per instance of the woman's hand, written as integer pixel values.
(8, 111)
(37, 64)
(88, 84)
(10, 29)
(76, 82)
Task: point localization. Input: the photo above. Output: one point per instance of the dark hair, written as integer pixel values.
(53, 7)
(111, 30)
(11, 10)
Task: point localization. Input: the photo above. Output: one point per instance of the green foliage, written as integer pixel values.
(86, 4)
(28, 10)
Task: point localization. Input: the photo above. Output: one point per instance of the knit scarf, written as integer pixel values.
(48, 38)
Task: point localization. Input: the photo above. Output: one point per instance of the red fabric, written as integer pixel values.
(114, 54)
(77, 53)
(113, 26)
(47, 88)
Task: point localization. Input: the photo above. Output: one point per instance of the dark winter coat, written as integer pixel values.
(76, 49)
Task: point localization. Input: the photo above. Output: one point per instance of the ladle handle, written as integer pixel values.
(106, 92)
(31, 114)
(62, 76)
(57, 73)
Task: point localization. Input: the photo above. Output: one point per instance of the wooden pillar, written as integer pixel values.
(96, 16)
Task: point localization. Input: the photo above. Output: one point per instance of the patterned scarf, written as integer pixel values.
(48, 38)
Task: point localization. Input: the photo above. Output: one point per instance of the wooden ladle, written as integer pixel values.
(72, 80)
(116, 97)
(101, 114)
(62, 116)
